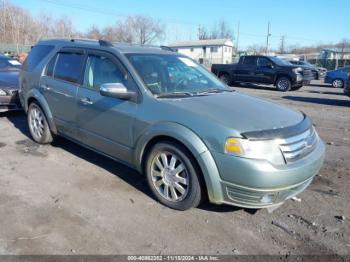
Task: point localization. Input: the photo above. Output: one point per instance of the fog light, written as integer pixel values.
(268, 199)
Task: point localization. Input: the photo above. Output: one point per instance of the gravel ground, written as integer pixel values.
(64, 199)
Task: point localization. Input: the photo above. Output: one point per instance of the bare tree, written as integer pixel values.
(142, 29)
(94, 33)
(220, 30)
(256, 49)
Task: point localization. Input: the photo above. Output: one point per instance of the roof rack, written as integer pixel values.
(104, 43)
(167, 48)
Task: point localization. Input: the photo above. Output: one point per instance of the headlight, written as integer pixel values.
(2, 93)
(264, 150)
(298, 70)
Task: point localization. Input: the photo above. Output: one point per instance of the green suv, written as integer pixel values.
(163, 114)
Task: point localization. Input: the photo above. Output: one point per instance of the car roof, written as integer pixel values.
(125, 48)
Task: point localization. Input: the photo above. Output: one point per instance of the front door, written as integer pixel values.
(105, 123)
(245, 72)
(59, 85)
(265, 72)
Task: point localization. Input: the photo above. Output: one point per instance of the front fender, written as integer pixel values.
(34, 93)
(193, 143)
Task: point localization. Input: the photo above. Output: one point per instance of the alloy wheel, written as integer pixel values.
(170, 176)
(338, 83)
(283, 84)
(36, 122)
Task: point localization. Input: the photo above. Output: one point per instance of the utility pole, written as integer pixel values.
(238, 27)
(282, 44)
(267, 38)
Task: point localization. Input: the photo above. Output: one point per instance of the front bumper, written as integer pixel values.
(10, 103)
(252, 183)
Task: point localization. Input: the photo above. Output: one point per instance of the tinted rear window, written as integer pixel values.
(69, 67)
(249, 60)
(36, 55)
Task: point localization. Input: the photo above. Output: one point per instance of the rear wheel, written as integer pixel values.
(172, 176)
(38, 125)
(283, 84)
(225, 78)
(338, 83)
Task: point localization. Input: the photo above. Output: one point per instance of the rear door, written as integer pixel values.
(245, 72)
(265, 73)
(59, 85)
(105, 123)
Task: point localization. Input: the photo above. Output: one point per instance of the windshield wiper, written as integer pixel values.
(174, 94)
(214, 91)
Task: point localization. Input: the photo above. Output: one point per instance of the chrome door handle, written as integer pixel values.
(86, 101)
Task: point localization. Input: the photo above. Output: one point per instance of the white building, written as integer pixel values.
(207, 52)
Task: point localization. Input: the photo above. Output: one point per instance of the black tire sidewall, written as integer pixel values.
(225, 79)
(47, 136)
(194, 195)
(283, 78)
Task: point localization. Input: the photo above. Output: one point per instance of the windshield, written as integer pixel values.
(279, 61)
(173, 74)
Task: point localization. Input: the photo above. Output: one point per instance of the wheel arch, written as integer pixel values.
(196, 147)
(35, 96)
(278, 76)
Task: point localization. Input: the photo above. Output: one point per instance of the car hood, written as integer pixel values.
(9, 79)
(237, 111)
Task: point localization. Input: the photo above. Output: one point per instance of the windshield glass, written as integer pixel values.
(279, 61)
(173, 74)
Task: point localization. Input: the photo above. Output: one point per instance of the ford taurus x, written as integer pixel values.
(163, 114)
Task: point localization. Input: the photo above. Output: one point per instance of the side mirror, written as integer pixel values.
(117, 90)
(270, 66)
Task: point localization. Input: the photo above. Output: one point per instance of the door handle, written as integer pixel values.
(45, 87)
(86, 101)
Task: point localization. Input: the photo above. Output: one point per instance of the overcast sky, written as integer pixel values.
(303, 22)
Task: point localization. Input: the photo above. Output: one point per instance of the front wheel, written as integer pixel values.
(172, 176)
(338, 83)
(38, 125)
(225, 78)
(283, 84)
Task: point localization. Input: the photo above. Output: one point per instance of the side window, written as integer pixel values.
(50, 66)
(263, 61)
(102, 70)
(249, 60)
(36, 55)
(69, 66)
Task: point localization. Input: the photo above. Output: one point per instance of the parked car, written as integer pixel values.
(264, 70)
(191, 135)
(337, 77)
(318, 72)
(347, 86)
(9, 72)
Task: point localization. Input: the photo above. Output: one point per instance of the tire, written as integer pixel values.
(338, 83)
(283, 84)
(38, 125)
(294, 88)
(172, 176)
(225, 78)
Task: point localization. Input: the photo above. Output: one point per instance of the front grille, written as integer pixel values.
(299, 146)
(307, 73)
